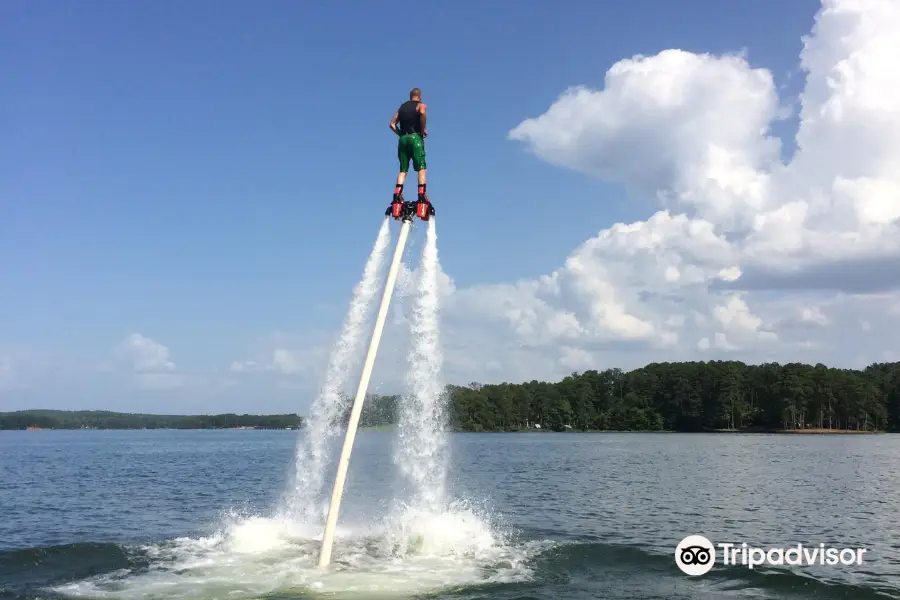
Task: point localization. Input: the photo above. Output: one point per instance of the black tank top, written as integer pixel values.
(408, 118)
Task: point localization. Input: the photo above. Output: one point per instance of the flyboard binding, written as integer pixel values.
(399, 209)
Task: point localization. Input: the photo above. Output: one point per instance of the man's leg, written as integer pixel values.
(398, 189)
(403, 157)
(419, 164)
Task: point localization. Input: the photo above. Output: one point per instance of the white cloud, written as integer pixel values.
(286, 354)
(150, 363)
(145, 354)
(813, 315)
(666, 124)
(286, 361)
(281, 360)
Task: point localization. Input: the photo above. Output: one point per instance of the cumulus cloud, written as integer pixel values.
(693, 130)
(286, 354)
(666, 125)
(145, 354)
(150, 363)
(749, 255)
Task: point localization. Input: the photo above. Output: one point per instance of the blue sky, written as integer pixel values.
(208, 173)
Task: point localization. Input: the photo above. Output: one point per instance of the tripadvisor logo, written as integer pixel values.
(696, 555)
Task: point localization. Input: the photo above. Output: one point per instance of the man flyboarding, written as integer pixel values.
(409, 124)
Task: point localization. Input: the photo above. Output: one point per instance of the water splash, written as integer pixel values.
(418, 548)
(302, 500)
(422, 440)
(253, 557)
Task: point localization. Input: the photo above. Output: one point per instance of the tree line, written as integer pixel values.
(101, 419)
(689, 396)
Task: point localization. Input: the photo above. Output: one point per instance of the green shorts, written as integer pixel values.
(411, 146)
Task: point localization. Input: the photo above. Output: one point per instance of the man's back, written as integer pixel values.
(408, 117)
(410, 123)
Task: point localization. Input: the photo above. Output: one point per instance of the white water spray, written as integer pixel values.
(421, 449)
(302, 501)
(424, 547)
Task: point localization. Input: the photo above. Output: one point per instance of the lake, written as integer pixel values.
(191, 514)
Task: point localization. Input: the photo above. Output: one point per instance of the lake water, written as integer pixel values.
(190, 514)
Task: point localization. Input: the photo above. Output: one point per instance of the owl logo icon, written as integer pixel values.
(695, 555)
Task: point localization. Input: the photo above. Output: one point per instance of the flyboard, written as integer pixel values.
(404, 212)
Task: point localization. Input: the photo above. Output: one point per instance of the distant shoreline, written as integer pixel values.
(810, 431)
(44, 419)
(58, 420)
(826, 431)
(154, 429)
(384, 428)
(377, 428)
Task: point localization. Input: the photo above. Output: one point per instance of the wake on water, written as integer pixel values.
(426, 542)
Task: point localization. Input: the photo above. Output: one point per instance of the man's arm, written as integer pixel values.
(422, 108)
(394, 120)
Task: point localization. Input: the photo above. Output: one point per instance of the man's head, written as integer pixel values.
(415, 94)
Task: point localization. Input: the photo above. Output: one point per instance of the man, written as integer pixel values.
(409, 123)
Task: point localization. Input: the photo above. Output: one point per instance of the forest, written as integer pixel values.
(689, 397)
(686, 397)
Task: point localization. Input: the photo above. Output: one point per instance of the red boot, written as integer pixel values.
(424, 209)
